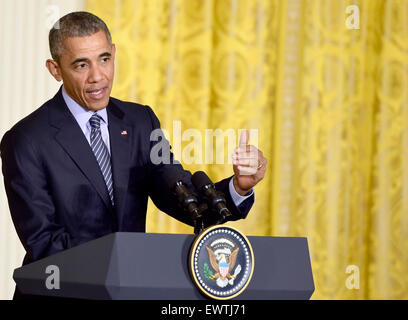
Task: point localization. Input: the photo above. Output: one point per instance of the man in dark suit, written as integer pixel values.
(80, 166)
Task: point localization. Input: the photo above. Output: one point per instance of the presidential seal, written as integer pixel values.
(221, 262)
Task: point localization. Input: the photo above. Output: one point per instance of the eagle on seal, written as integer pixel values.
(222, 265)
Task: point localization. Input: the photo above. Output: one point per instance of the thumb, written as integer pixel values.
(243, 141)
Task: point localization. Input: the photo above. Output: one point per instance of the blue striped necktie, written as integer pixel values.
(101, 153)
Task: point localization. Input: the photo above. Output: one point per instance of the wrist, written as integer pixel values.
(241, 192)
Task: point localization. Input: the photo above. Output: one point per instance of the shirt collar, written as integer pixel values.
(81, 114)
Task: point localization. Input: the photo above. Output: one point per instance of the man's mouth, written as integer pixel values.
(97, 93)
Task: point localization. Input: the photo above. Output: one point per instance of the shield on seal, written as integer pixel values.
(224, 268)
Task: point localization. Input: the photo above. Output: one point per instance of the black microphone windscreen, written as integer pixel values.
(200, 179)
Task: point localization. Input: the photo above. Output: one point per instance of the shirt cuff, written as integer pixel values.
(236, 197)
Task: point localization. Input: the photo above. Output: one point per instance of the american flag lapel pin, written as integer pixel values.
(124, 133)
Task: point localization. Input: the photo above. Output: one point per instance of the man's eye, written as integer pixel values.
(105, 59)
(81, 66)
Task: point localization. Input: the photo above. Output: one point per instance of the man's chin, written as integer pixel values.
(98, 106)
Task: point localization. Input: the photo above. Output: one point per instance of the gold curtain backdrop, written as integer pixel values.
(330, 105)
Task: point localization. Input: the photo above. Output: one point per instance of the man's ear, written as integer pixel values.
(113, 51)
(54, 69)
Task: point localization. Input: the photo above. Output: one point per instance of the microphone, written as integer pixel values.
(215, 199)
(186, 198)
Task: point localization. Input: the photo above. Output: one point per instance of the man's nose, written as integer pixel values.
(95, 74)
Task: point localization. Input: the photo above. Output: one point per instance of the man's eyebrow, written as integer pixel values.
(79, 60)
(105, 54)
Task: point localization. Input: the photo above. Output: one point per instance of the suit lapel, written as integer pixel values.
(73, 141)
(120, 136)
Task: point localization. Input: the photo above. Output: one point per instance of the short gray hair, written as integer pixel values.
(75, 24)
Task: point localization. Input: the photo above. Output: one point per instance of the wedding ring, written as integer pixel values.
(260, 166)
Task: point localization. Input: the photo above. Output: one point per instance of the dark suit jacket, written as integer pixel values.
(56, 192)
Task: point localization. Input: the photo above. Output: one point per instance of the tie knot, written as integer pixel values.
(95, 121)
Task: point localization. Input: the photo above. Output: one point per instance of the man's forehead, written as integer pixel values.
(93, 45)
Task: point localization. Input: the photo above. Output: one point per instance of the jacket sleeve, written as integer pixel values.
(29, 197)
(162, 196)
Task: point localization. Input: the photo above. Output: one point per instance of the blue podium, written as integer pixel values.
(142, 266)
